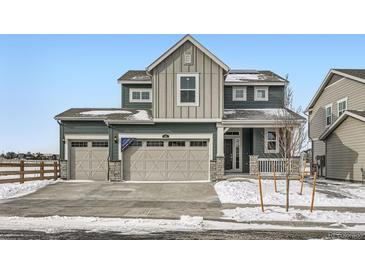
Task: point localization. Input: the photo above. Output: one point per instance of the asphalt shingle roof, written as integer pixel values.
(247, 76)
(360, 73)
(260, 114)
(135, 75)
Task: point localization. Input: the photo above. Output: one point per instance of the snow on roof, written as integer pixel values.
(141, 115)
(260, 114)
(104, 112)
(252, 76)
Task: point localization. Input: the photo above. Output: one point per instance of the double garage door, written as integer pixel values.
(89, 160)
(166, 160)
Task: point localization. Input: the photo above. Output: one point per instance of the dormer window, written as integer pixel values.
(261, 94)
(239, 94)
(140, 95)
(188, 89)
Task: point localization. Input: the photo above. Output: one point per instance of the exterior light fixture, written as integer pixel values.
(165, 136)
(115, 139)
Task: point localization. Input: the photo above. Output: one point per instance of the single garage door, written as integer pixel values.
(89, 160)
(161, 160)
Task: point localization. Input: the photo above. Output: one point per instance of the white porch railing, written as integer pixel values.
(267, 166)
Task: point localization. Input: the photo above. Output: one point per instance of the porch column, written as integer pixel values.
(220, 142)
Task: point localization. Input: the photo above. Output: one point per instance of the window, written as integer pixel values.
(261, 94)
(188, 89)
(141, 95)
(328, 114)
(155, 143)
(341, 106)
(136, 143)
(78, 144)
(239, 94)
(271, 141)
(198, 143)
(176, 143)
(232, 133)
(100, 144)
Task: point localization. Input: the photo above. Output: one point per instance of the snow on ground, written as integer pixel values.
(274, 213)
(328, 193)
(55, 224)
(13, 190)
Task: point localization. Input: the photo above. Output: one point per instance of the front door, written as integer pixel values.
(232, 152)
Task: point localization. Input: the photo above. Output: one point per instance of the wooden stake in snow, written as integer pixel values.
(302, 179)
(274, 170)
(287, 193)
(314, 190)
(261, 199)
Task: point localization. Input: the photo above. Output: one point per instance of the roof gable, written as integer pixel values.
(179, 44)
(353, 74)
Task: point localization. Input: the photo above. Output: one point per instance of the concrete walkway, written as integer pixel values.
(105, 199)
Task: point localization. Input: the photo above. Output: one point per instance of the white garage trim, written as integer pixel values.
(82, 137)
(208, 136)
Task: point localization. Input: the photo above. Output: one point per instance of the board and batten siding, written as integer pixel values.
(346, 151)
(211, 81)
(134, 105)
(276, 98)
(343, 87)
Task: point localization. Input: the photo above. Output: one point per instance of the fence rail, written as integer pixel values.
(270, 165)
(43, 173)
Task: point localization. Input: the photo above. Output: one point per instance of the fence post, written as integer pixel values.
(21, 173)
(55, 170)
(42, 170)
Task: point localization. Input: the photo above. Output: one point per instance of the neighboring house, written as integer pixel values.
(186, 117)
(336, 125)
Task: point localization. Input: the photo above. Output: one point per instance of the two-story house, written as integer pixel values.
(186, 117)
(336, 125)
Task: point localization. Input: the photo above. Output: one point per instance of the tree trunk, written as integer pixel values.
(287, 193)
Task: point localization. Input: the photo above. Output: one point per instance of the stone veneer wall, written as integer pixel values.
(213, 170)
(115, 171)
(254, 164)
(219, 168)
(63, 169)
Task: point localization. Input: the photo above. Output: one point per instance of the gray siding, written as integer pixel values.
(276, 98)
(125, 97)
(346, 151)
(164, 81)
(80, 128)
(162, 128)
(355, 92)
(259, 145)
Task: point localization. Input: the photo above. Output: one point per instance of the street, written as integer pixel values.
(198, 235)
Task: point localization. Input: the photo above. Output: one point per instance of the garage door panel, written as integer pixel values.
(167, 163)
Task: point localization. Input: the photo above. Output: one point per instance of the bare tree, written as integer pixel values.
(292, 137)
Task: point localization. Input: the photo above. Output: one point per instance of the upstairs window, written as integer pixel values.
(188, 89)
(328, 114)
(239, 94)
(271, 141)
(341, 106)
(261, 94)
(140, 95)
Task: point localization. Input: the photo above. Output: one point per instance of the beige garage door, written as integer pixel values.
(89, 160)
(161, 160)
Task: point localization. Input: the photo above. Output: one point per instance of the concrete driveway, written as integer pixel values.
(105, 199)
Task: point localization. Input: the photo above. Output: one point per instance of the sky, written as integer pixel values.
(43, 75)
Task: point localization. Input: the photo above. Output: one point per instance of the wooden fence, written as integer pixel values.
(44, 174)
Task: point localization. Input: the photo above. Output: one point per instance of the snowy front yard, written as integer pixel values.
(14, 190)
(339, 199)
(328, 193)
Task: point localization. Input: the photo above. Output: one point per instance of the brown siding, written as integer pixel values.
(210, 85)
(355, 91)
(346, 151)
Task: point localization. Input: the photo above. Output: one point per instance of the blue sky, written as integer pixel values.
(43, 75)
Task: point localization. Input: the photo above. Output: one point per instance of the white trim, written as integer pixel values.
(325, 112)
(134, 82)
(234, 93)
(181, 42)
(69, 137)
(240, 139)
(254, 84)
(338, 103)
(140, 90)
(178, 101)
(338, 122)
(266, 93)
(266, 140)
(334, 83)
(188, 120)
(220, 141)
